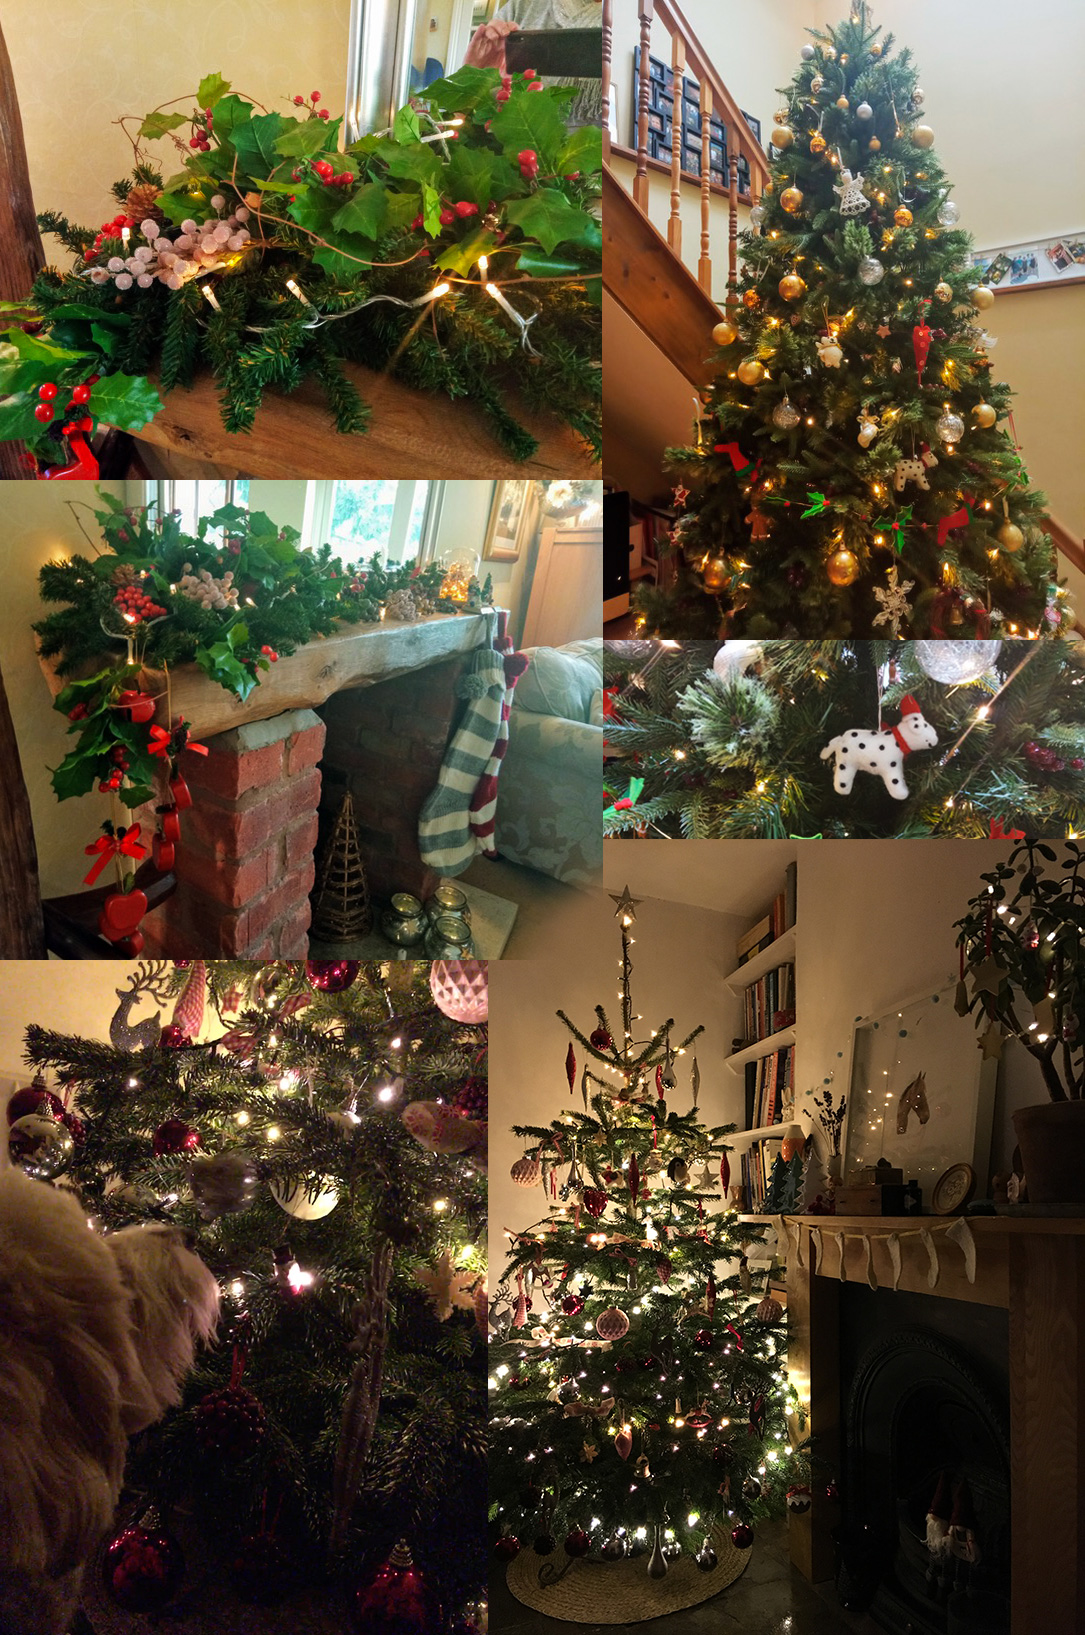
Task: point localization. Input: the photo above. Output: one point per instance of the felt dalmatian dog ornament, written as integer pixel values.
(914, 470)
(881, 751)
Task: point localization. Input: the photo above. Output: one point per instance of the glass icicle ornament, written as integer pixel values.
(757, 217)
(871, 271)
(785, 415)
(957, 664)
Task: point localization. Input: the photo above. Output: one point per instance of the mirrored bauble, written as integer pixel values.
(864, 111)
(983, 414)
(817, 84)
(725, 333)
(613, 1548)
(751, 373)
(751, 1488)
(943, 291)
(956, 663)
(792, 200)
(871, 271)
(951, 427)
(903, 217)
(757, 217)
(807, 53)
(785, 415)
(706, 1558)
(41, 1146)
(949, 214)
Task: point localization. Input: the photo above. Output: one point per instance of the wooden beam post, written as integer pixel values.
(640, 180)
(22, 933)
(21, 254)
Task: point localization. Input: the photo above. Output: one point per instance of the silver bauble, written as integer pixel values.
(807, 53)
(951, 427)
(871, 271)
(949, 214)
(222, 1183)
(956, 663)
(706, 1558)
(41, 1146)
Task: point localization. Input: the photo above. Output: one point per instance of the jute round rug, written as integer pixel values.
(620, 1592)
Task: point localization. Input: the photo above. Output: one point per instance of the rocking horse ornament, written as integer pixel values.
(881, 751)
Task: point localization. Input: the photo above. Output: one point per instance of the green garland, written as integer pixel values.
(478, 187)
(278, 598)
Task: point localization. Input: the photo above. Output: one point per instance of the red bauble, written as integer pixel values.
(595, 1201)
(742, 1535)
(398, 1600)
(600, 1039)
(142, 1569)
(173, 1038)
(723, 1453)
(331, 975)
(261, 1568)
(573, 1305)
(473, 1098)
(182, 794)
(136, 705)
(704, 1339)
(507, 1546)
(163, 853)
(131, 947)
(175, 1136)
(30, 1100)
(230, 1421)
(577, 1542)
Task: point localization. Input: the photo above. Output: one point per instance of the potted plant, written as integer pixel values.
(1022, 945)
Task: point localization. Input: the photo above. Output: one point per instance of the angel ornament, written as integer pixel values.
(853, 201)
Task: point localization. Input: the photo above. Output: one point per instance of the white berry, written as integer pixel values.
(174, 281)
(217, 202)
(98, 275)
(149, 228)
(123, 281)
(115, 264)
(242, 213)
(144, 281)
(188, 226)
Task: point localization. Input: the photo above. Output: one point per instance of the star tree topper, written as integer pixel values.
(627, 905)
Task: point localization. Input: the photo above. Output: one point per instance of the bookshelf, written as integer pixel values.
(779, 952)
(761, 1047)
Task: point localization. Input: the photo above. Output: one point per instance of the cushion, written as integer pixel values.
(562, 681)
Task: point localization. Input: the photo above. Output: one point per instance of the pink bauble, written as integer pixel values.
(611, 1324)
(459, 989)
(526, 1171)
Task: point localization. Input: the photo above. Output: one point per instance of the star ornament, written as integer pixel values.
(447, 1287)
(627, 906)
(893, 599)
(988, 976)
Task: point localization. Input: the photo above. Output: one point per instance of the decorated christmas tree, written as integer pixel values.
(320, 1128)
(856, 471)
(845, 739)
(638, 1377)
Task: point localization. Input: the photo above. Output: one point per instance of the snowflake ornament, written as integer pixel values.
(853, 201)
(894, 602)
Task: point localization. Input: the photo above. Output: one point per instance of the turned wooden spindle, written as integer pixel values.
(608, 53)
(704, 265)
(640, 180)
(732, 232)
(674, 223)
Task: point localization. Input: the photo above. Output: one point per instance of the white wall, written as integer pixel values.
(82, 1003)
(680, 956)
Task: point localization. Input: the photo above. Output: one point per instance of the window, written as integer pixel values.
(395, 520)
(198, 499)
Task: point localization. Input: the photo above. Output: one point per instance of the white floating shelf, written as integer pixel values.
(779, 952)
(763, 1047)
(766, 1132)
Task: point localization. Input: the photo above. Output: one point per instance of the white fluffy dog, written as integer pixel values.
(96, 1336)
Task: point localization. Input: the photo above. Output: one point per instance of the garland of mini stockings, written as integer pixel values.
(958, 1232)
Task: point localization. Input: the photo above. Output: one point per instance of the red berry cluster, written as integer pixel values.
(116, 767)
(326, 173)
(201, 131)
(473, 1098)
(1047, 761)
(529, 74)
(110, 229)
(230, 1421)
(270, 654)
(137, 605)
(462, 210)
(314, 98)
(528, 161)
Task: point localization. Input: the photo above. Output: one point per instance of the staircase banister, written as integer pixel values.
(1065, 542)
(702, 69)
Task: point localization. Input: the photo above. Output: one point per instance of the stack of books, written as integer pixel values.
(778, 919)
(770, 1083)
(769, 1004)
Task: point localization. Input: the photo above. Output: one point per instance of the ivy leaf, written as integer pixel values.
(583, 151)
(304, 139)
(125, 401)
(405, 126)
(534, 122)
(254, 144)
(365, 212)
(211, 91)
(548, 216)
(461, 257)
(156, 125)
(461, 92)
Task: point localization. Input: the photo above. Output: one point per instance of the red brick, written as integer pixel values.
(300, 841)
(228, 774)
(233, 831)
(233, 882)
(304, 749)
(303, 794)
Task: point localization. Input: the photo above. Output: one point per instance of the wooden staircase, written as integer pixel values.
(643, 271)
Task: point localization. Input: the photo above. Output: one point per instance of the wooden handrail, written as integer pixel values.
(715, 102)
(1065, 542)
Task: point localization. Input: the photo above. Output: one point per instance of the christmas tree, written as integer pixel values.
(853, 474)
(638, 1382)
(845, 739)
(319, 1127)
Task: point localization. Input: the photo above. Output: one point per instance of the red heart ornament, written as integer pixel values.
(121, 914)
(171, 824)
(162, 853)
(623, 1444)
(182, 794)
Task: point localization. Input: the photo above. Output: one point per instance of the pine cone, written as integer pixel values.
(142, 203)
(400, 605)
(125, 574)
(473, 1098)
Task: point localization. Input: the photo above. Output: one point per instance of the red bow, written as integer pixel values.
(160, 742)
(167, 744)
(999, 832)
(123, 843)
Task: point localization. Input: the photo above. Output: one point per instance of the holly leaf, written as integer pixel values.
(348, 258)
(76, 775)
(402, 210)
(304, 139)
(125, 401)
(365, 212)
(230, 112)
(211, 91)
(80, 309)
(461, 92)
(156, 125)
(18, 421)
(417, 164)
(405, 126)
(533, 122)
(314, 208)
(535, 264)
(583, 151)
(461, 257)
(30, 346)
(431, 211)
(549, 217)
(254, 143)
(480, 175)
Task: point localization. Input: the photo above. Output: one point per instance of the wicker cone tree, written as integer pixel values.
(341, 907)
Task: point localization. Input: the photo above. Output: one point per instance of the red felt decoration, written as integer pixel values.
(121, 914)
(959, 519)
(633, 1177)
(921, 341)
(725, 1173)
(114, 843)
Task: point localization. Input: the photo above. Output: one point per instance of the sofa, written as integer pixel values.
(550, 794)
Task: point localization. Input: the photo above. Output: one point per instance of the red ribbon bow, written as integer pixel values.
(160, 742)
(123, 843)
(166, 744)
(1000, 832)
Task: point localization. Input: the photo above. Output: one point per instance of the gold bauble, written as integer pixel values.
(842, 104)
(943, 291)
(875, 50)
(780, 116)
(750, 372)
(842, 568)
(1010, 537)
(874, 145)
(792, 287)
(751, 300)
(792, 200)
(982, 298)
(714, 573)
(818, 143)
(782, 136)
(903, 217)
(984, 414)
(923, 136)
(724, 333)
(769, 187)
(817, 84)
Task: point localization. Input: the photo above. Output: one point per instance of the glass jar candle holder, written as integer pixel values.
(448, 899)
(404, 920)
(448, 938)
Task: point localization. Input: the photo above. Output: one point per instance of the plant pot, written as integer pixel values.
(1052, 1141)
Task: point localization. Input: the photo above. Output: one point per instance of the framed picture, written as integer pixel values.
(511, 513)
(921, 1095)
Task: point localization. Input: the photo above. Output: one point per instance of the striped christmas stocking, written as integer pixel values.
(484, 800)
(444, 827)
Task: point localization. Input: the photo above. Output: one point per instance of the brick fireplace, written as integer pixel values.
(373, 717)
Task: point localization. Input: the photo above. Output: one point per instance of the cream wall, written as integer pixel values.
(80, 66)
(680, 957)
